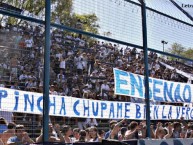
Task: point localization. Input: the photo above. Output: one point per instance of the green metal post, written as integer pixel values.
(46, 73)
(147, 101)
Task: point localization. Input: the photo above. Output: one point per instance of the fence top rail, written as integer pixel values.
(59, 26)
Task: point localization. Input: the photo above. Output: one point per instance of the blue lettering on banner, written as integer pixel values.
(3, 94)
(103, 108)
(157, 90)
(150, 91)
(135, 85)
(30, 101)
(191, 113)
(75, 106)
(150, 111)
(95, 111)
(170, 113)
(112, 110)
(127, 110)
(168, 91)
(177, 94)
(144, 111)
(53, 104)
(160, 90)
(86, 107)
(156, 112)
(119, 90)
(183, 109)
(119, 110)
(16, 93)
(63, 107)
(39, 103)
(187, 113)
(163, 116)
(178, 112)
(187, 88)
(138, 113)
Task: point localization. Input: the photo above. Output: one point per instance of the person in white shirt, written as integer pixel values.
(28, 41)
(61, 75)
(59, 55)
(104, 89)
(62, 64)
(52, 90)
(23, 76)
(79, 66)
(91, 122)
(84, 61)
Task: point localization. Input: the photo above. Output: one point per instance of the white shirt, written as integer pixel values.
(92, 122)
(22, 77)
(105, 87)
(59, 55)
(29, 43)
(53, 93)
(58, 76)
(63, 64)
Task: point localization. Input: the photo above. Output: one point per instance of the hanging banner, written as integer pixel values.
(133, 85)
(31, 102)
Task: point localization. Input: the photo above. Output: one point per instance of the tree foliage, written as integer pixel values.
(180, 50)
(61, 9)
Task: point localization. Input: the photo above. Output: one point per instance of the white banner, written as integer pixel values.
(31, 102)
(187, 75)
(130, 84)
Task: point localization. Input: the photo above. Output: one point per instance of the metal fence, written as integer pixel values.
(38, 50)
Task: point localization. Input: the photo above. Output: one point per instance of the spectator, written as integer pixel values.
(20, 137)
(8, 133)
(76, 135)
(52, 90)
(132, 132)
(122, 134)
(82, 137)
(115, 130)
(3, 125)
(94, 135)
(90, 122)
(67, 131)
(112, 124)
(52, 135)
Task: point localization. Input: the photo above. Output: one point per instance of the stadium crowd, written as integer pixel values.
(83, 68)
(118, 130)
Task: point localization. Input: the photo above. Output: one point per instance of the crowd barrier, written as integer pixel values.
(166, 142)
(132, 142)
(104, 142)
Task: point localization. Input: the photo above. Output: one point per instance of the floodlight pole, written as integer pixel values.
(164, 42)
(147, 101)
(46, 73)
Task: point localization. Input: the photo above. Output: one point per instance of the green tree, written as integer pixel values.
(188, 53)
(62, 9)
(176, 49)
(180, 50)
(89, 22)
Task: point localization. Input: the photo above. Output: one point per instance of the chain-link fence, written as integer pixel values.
(88, 39)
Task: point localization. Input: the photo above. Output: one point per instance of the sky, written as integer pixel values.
(123, 20)
(188, 9)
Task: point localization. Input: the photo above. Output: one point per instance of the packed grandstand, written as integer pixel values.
(83, 70)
